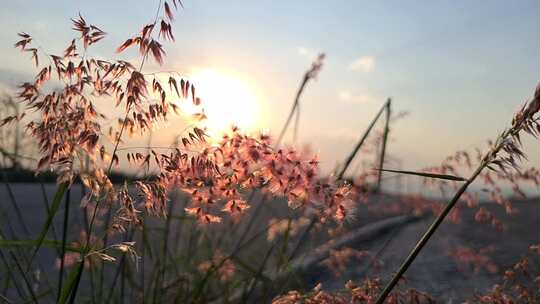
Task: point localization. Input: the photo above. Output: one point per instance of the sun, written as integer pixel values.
(226, 101)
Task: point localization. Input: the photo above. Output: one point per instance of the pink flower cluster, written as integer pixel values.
(218, 177)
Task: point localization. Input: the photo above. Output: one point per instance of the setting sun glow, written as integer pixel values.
(226, 101)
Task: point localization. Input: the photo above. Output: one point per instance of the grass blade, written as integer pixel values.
(258, 276)
(25, 279)
(384, 143)
(360, 143)
(64, 240)
(54, 208)
(70, 282)
(11, 275)
(427, 235)
(47, 208)
(5, 299)
(39, 296)
(31, 243)
(310, 74)
(425, 174)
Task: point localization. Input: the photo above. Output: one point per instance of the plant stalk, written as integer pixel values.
(361, 142)
(384, 142)
(64, 241)
(295, 105)
(431, 230)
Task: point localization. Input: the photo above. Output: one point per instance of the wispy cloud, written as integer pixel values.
(354, 98)
(306, 52)
(302, 51)
(364, 64)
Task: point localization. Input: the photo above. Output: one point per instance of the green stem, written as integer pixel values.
(63, 249)
(25, 279)
(425, 238)
(54, 208)
(11, 276)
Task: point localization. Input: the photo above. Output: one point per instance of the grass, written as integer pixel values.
(205, 223)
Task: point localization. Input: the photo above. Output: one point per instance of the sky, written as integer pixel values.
(460, 69)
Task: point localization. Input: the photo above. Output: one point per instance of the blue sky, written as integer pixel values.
(460, 68)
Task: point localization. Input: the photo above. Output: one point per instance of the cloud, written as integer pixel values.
(307, 53)
(350, 98)
(302, 51)
(364, 64)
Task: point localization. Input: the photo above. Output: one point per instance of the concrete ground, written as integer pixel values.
(434, 271)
